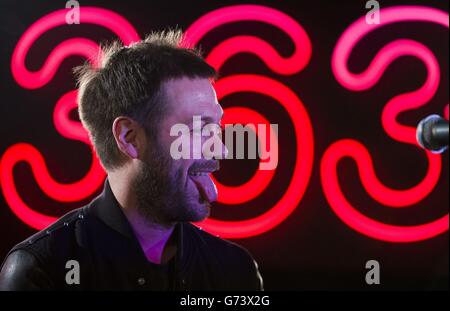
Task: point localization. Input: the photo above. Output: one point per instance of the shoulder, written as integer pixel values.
(22, 271)
(59, 235)
(215, 243)
(232, 257)
(31, 263)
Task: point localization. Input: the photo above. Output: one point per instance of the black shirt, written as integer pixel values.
(99, 238)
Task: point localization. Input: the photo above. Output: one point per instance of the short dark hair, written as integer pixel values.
(128, 83)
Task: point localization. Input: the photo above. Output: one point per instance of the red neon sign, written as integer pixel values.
(269, 87)
(402, 133)
(250, 83)
(72, 130)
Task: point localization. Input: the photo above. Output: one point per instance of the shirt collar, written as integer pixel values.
(106, 208)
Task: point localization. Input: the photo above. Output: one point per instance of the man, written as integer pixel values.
(137, 233)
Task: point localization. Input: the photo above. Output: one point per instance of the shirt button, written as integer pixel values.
(141, 281)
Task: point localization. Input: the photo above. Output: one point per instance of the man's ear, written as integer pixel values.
(127, 135)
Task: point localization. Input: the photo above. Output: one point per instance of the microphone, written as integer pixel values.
(432, 133)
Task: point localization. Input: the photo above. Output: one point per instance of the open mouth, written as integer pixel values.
(199, 173)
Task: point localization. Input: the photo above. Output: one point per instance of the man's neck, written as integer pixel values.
(154, 239)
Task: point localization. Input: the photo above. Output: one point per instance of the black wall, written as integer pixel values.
(312, 248)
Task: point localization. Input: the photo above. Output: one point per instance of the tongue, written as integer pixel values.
(206, 187)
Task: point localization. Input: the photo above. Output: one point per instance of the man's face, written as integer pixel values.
(170, 190)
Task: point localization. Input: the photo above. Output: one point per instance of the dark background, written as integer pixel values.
(312, 248)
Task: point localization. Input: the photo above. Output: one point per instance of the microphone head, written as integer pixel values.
(425, 134)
